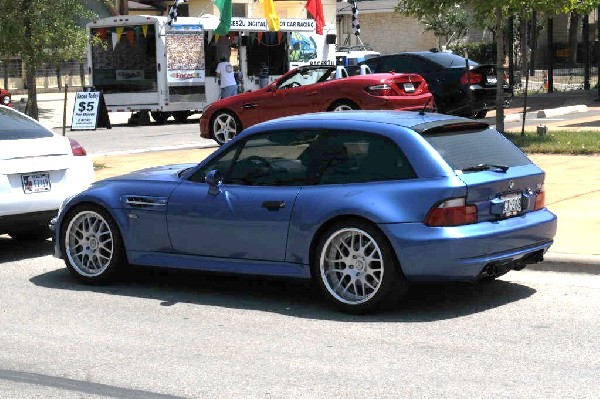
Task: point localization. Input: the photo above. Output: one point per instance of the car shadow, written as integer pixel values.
(13, 250)
(423, 303)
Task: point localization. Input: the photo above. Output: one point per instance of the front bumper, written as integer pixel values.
(53, 226)
(463, 252)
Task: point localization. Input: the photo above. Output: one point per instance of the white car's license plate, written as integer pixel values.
(36, 183)
(409, 87)
(512, 205)
(491, 80)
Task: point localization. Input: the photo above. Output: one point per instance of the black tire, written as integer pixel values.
(181, 116)
(160, 117)
(479, 114)
(40, 234)
(102, 241)
(343, 105)
(229, 126)
(359, 280)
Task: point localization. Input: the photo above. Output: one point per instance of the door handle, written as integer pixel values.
(250, 106)
(273, 205)
(312, 93)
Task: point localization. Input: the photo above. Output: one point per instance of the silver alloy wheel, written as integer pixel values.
(224, 127)
(351, 266)
(343, 107)
(89, 243)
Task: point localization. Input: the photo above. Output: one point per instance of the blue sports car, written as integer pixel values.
(362, 202)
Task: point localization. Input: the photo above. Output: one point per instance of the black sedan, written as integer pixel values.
(459, 85)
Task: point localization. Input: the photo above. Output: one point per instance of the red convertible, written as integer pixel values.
(312, 89)
(5, 98)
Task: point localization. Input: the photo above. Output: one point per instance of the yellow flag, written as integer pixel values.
(145, 30)
(271, 15)
(119, 32)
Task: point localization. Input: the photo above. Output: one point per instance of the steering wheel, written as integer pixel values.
(260, 161)
(290, 85)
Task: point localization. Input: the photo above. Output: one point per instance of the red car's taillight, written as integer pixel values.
(76, 148)
(540, 199)
(381, 90)
(471, 78)
(451, 212)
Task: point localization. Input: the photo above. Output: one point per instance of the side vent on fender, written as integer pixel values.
(143, 201)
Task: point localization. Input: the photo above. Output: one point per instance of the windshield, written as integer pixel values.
(448, 60)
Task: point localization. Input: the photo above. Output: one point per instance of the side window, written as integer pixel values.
(273, 159)
(221, 163)
(359, 158)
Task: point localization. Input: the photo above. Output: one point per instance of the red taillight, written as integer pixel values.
(452, 212)
(471, 78)
(381, 90)
(540, 199)
(76, 148)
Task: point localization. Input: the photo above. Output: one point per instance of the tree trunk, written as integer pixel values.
(31, 108)
(573, 30)
(499, 71)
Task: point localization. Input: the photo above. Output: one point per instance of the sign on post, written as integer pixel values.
(85, 110)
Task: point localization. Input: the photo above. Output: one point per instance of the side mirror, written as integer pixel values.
(214, 179)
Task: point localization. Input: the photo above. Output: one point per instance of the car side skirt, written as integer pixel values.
(211, 264)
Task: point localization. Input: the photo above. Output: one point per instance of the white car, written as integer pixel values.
(38, 170)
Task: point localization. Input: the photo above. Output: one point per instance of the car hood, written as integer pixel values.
(157, 173)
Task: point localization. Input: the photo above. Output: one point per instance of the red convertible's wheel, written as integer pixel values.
(343, 106)
(224, 126)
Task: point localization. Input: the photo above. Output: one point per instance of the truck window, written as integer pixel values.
(124, 59)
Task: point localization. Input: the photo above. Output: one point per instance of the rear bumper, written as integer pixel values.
(26, 221)
(463, 252)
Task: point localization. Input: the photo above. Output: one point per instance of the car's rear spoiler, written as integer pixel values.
(447, 126)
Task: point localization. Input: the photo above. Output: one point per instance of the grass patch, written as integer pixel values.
(99, 166)
(558, 142)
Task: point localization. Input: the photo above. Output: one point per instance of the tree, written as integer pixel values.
(42, 31)
(500, 10)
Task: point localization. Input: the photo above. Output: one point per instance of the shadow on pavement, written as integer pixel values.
(423, 303)
(13, 250)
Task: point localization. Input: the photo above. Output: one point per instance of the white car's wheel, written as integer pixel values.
(356, 267)
(224, 126)
(92, 245)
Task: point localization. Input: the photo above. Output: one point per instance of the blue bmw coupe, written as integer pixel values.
(362, 202)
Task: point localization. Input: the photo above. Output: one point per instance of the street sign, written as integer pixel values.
(85, 110)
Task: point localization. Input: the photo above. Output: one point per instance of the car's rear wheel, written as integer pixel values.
(92, 245)
(343, 106)
(355, 267)
(479, 114)
(224, 126)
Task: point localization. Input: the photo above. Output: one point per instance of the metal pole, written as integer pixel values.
(550, 55)
(65, 110)
(586, 51)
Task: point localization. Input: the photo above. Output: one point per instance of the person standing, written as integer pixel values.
(227, 78)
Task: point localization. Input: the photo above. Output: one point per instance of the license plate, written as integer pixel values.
(492, 80)
(36, 183)
(409, 87)
(512, 205)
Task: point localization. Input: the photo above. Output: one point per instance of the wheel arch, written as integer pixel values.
(339, 218)
(343, 101)
(224, 110)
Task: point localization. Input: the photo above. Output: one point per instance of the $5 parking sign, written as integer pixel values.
(85, 111)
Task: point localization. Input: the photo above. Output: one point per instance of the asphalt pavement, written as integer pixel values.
(572, 182)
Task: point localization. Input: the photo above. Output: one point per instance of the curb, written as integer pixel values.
(573, 109)
(557, 262)
(157, 149)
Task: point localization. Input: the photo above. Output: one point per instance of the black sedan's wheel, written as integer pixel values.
(224, 126)
(356, 268)
(92, 245)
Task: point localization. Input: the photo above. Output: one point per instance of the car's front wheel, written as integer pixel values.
(356, 268)
(224, 126)
(92, 245)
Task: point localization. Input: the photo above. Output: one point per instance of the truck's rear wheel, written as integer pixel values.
(160, 117)
(181, 116)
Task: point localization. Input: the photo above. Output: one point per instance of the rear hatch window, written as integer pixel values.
(14, 126)
(470, 147)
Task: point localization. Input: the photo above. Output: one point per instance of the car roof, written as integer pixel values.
(420, 122)
(439, 57)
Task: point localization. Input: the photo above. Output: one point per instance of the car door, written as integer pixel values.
(297, 93)
(249, 216)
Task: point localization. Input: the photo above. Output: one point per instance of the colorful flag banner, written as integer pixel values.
(226, 9)
(355, 23)
(315, 8)
(172, 15)
(273, 22)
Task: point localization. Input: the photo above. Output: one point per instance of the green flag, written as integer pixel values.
(226, 9)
